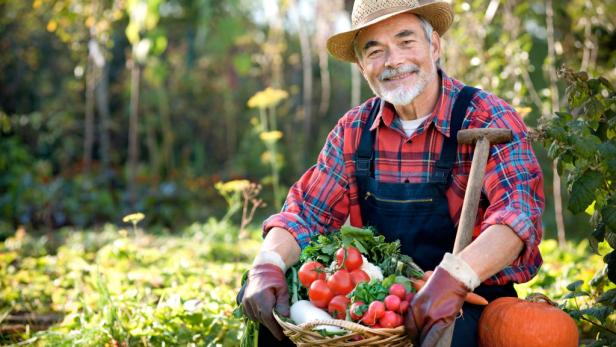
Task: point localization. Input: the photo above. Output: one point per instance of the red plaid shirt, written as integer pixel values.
(327, 193)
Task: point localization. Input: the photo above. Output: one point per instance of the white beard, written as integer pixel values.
(403, 95)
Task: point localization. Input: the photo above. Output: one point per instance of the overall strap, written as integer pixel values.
(365, 150)
(447, 158)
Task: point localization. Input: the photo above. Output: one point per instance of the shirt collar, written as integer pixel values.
(441, 113)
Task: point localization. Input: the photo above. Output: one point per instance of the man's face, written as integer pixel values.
(397, 59)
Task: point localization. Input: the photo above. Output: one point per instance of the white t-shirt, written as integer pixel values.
(410, 126)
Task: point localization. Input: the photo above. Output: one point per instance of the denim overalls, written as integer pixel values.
(417, 214)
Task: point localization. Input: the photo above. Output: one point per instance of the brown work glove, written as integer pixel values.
(266, 288)
(434, 308)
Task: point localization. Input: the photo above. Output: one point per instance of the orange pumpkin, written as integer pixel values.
(536, 321)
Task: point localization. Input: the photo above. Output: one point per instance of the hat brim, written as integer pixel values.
(439, 14)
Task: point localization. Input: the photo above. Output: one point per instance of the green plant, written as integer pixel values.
(266, 102)
(125, 289)
(582, 139)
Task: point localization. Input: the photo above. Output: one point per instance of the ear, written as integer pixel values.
(436, 46)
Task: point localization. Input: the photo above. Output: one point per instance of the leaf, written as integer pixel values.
(600, 313)
(572, 287)
(575, 295)
(609, 216)
(554, 150)
(583, 191)
(598, 343)
(598, 235)
(607, 297)
(610, 260)
(586, 146)
(360, 247)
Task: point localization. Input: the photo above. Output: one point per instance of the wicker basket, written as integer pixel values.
(358, 335)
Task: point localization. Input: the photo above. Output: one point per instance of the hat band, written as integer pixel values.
(383, 12)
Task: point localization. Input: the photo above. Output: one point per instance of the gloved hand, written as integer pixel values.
(438, 302)
(265, 289)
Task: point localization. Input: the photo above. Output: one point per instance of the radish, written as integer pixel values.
(304, 311)
(376, 309)
(392, 302)
(390, 319)
(398, 290)
(357, 310)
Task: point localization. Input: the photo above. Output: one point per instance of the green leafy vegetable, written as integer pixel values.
(368, 292)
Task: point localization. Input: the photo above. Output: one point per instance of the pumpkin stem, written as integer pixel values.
(539, 297)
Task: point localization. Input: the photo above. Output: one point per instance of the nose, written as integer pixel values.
(394, 58)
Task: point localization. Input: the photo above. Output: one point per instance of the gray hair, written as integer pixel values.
(425, 25)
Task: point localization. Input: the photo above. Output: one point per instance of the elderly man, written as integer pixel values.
(393, 163)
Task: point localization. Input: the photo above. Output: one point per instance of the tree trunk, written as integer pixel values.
(88, 139)
(325, 83)
(558, 201)
(307, 85)
(133, 132)
(102, 102)
(153, 150)
(304, 43)
(167, 160)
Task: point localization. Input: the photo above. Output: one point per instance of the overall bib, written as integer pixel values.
(418, 215)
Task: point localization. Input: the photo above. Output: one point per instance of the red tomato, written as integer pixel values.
(340, 282)
(390, 319)
(404, 306)
(398, 290)
(357, 310)
(392, 302)
(337, 306)
(320, 294)
(358, 276)
(376, 310)
(351, 260)
(310, 272)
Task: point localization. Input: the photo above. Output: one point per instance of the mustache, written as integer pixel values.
(389, 73)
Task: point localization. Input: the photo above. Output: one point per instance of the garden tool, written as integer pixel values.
(482, 138)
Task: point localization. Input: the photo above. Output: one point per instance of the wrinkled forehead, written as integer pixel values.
(389, 28)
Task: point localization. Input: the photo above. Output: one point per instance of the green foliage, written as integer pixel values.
(135, 290)
(576, 278)
(583, 140)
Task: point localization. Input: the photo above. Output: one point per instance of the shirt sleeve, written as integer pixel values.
(513, 183)
(319, 202)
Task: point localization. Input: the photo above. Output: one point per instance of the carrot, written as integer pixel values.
(471, 298)
(476, 299)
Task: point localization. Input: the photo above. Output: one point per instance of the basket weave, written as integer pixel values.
(358, 335)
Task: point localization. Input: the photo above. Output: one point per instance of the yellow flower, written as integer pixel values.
(523, 111)
(267, 98)
(52, 26)
(266, 157)
(271, 136)
(133, 218)
(232, 186)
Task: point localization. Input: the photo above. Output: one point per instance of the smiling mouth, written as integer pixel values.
(399, 76)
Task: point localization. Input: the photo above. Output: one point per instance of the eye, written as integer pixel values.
(374, 53)
(407, 42)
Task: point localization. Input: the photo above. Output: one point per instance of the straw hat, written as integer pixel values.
(368, 12)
